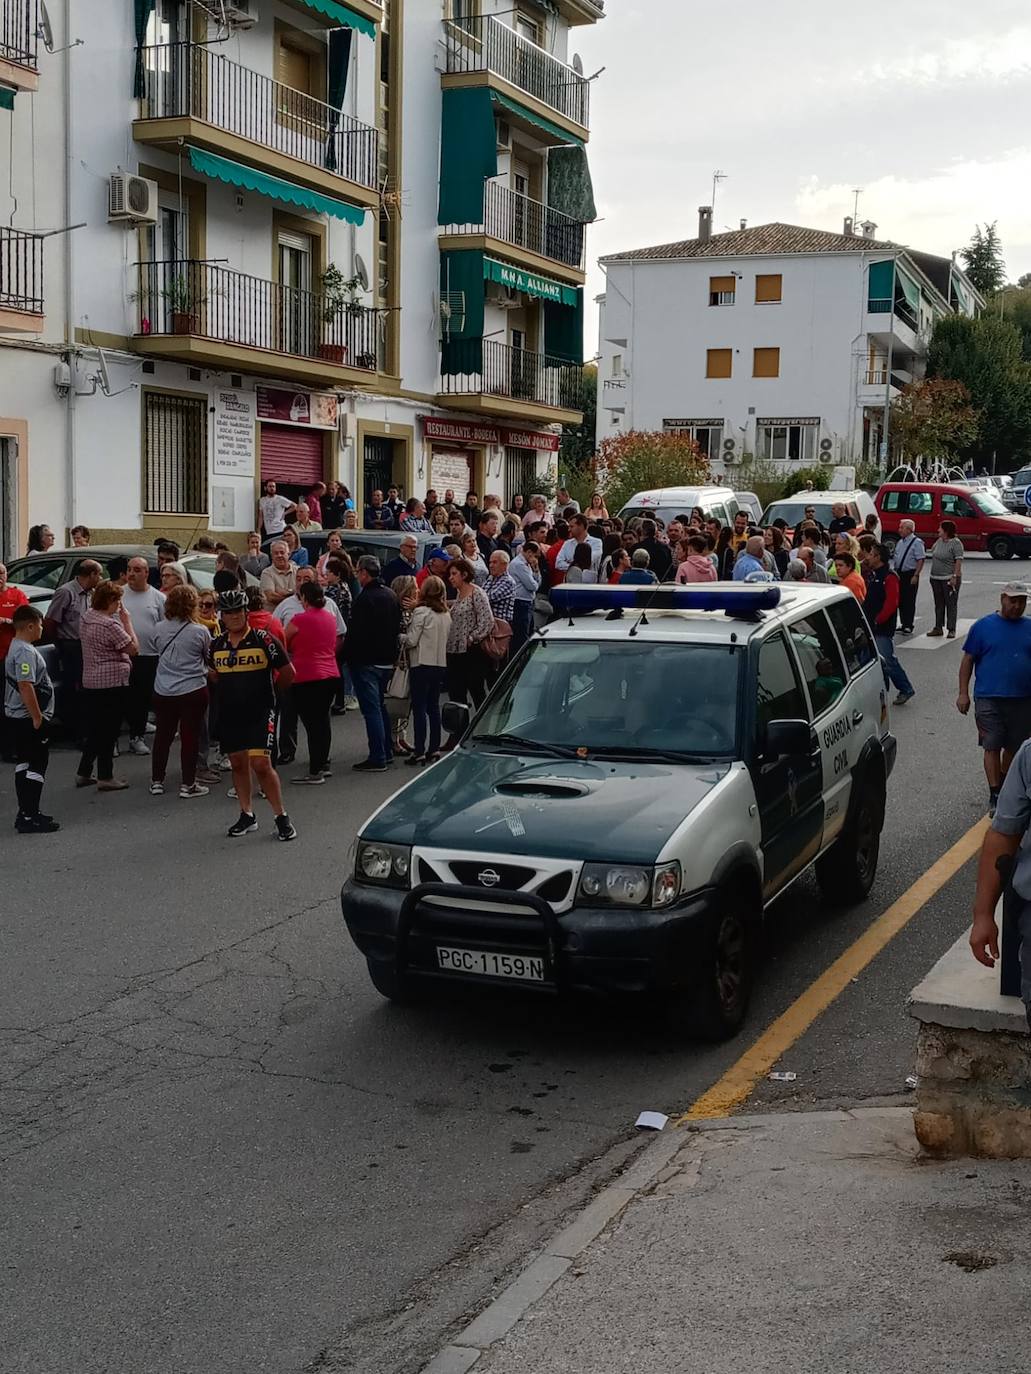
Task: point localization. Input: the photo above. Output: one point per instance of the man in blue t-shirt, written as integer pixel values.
(997, 652)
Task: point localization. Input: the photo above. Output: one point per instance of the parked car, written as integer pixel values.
(666, 503)
(748, 501)
(1014, 496)
(859, 505)
(47, 571)
(381, 544)
(982, 522)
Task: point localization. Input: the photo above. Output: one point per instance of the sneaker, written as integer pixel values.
(351, 704)
(951, 634)
(902, 698)
(284, 758)
(137, 745)
(112, 785)
(935, 634)
(284, 828)
(157, 789)
(194, 790)
(81, 780)
(413, 760)
(35, 825)
(222, 763)
(369, 766)
(208, 775)
(327, 772)
(149, 728)
(246, 825)
(309, 780)
(231, 792)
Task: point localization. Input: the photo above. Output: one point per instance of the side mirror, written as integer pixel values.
(455, 717)
(788, 739)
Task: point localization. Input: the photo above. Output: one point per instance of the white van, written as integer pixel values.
(667, 503)
(859, 505)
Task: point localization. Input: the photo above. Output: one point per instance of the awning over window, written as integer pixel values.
(564, 330)
(881, 285)
(341, 14)
(6, 98)
(468, 154)
(961, 298)
(910, 290)
(461, 286)
(531, 116)
(543, 288)
(249, 179)
(569, 183)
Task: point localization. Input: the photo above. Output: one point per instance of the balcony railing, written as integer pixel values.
(19, 26)
(480, 43)
(526, 223)
(211, 302)
(189, 79)
(489, 367)
(21, 271)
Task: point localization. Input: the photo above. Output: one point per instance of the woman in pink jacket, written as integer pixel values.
(697, 566)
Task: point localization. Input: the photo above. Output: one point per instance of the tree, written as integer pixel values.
(982, 259)
(641, 459)
(1014, 304)
(985, 355)
(1024, 281)
(577, 443)
(932, 419)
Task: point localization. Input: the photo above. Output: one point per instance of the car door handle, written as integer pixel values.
(857, 717)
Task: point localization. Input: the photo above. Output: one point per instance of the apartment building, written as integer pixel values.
(299, 239)
(778, 341)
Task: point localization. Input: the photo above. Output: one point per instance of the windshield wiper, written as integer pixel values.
(631, 751)
(557, 751)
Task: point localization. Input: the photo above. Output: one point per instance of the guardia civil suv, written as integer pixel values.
(650, 772)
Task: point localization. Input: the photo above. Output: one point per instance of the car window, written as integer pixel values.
(956, 505)
(918, 502)
(820, 659)
(891, 500)
(853, 633)
(384, 552)
(43, 572)
(778, 691)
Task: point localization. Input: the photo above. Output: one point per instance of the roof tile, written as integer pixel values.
(762, 240)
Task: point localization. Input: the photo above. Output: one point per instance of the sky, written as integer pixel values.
(925, 106)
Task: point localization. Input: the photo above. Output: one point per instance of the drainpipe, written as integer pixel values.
(69, 264)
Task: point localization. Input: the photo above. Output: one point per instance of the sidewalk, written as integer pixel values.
(794, 1242)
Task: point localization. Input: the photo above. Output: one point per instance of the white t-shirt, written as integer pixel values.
(146, 611)
(293, 605)
(565, 558)
(273, 509)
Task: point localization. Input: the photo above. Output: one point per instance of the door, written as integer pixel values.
(8, 515)
(520, 207)
(969, 522)
(378, 466)
(787, 790)
(171, 288)
(841, 724)
(298, 325)
(166, 62)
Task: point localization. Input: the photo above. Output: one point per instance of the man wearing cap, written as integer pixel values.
(436, 566)
(997, 652)
(406, 564)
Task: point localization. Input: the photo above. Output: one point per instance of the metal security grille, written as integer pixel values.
(175, 454)
(520, 474)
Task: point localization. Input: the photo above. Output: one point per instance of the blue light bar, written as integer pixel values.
(736, 600)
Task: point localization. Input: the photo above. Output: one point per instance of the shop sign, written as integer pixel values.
(233, 447)
(531, 438)
(460, 431)
(317, 409)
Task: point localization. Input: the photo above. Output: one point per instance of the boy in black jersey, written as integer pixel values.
(243, 662)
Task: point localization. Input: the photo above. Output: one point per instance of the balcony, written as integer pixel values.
(194, 94)
(198, 312)
(532, 234)
(21, 282)
(19, 44)
(482, 50)
(511, 382)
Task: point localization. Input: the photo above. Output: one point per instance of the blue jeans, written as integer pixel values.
(370, 683)
(894, 669)
(427, 685)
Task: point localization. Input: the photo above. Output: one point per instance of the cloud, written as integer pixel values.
(988, 57)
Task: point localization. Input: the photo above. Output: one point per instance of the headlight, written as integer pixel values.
(383, 863)
(630, 884)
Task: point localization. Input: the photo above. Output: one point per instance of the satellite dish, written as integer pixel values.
(361, 271)
(103, 376)
(578, 64)
(44, 29)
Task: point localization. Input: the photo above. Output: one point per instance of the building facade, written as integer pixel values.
(297, 239)
(775, 341)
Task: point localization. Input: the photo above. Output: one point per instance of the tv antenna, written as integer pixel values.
(857, 191)
(717, 177)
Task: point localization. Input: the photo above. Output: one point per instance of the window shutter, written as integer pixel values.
(766, 362)
(768, 287)
(293, 68)
(718, 362)
(722, 284)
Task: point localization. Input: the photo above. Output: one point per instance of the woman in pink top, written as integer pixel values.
(697, 566)
(311, 638)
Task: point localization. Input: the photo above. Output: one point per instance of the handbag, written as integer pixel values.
(496, 645)
(398, 695)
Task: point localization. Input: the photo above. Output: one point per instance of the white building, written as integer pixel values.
(777, 341)
(222, 157)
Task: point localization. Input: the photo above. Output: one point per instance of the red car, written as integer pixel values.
(983, 523)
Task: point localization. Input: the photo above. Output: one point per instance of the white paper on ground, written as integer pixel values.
(651, 1121)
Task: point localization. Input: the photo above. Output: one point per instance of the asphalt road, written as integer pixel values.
(222, 1151)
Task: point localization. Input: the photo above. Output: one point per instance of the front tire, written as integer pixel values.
(847, 871)
(1000, 547)
(714, 1003)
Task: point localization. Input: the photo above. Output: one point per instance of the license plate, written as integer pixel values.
(479, 961)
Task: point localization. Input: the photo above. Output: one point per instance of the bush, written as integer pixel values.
(795, 481)
(643, 459)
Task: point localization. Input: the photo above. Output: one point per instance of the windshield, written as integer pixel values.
(629, 697)
(794, 512)
(987, 503)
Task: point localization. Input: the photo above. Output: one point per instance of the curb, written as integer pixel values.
(513, 1302)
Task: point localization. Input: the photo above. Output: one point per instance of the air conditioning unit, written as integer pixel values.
(505, 297)
(240, 14)
(504, 134)
(131, 199)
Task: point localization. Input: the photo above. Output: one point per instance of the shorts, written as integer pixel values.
(1002, 722)
(248, 732)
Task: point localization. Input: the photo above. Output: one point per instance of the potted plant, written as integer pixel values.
(339, 296)
(182, 303)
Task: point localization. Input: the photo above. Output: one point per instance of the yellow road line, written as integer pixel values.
(739, 1080)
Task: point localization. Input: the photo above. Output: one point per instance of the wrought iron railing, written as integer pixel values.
(21, 271)
(526, 223)
(19, 32)
(190, 79)
(481, 43)
(212, 302)
(489, 367)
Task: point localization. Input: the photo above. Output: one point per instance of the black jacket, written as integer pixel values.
(660, 555)
(374, 629)
(398, 567)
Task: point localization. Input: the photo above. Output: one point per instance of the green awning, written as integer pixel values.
(514, 107)
(249, 179)
(881, 286)
(569, 183)
(468, 154)
(910, 290)
(564, 330)
(6, 98)
(342, 14)
(529, 282)
(461, 285)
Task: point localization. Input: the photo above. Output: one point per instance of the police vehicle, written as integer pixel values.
(647, 776)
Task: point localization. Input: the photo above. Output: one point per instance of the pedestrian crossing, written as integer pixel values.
(921, 641)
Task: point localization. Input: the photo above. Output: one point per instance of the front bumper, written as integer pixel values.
(588, 948)
(890, 749)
